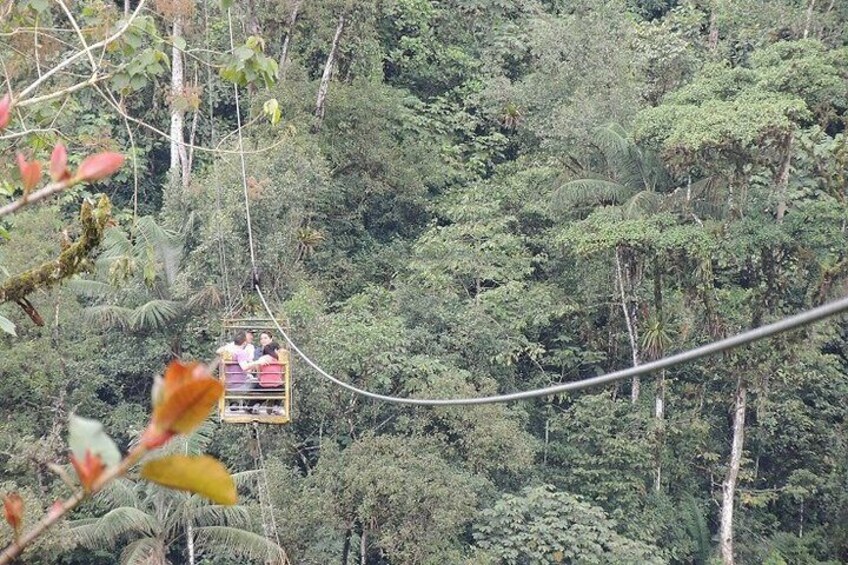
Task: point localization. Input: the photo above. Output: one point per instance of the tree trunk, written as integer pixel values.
(346, 546)
(328, 71)
(783, 176)
(810, 9)
(178, 153)
(190, 542)
(632, 332)
(728, 486)
(712, 42)
(363, 547)
(284, 53)
(659, 415)
(253, 27)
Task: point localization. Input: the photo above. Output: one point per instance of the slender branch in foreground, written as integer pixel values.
(81, 37)
(33, 197)
(73, 58)
(54, 515)
(91, 81)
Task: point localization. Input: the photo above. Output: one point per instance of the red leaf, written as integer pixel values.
(5, 111)
(59, 163)
(88, 470)
(30, 172)
(13, 506)
(99, 166)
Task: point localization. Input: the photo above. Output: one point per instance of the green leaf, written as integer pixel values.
(272, 110)
(85, 434)
(200, 474)
(180, 43)
(226, 4)
(7, 326)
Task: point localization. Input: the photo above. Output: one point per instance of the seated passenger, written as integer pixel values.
(236, 361)
(269, 355)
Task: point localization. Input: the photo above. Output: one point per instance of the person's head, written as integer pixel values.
(271, 349)
(240, 339)
(265, 338)
(249, 337)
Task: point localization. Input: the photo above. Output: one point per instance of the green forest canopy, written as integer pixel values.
(448, 199)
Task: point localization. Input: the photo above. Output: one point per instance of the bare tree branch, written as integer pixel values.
(73, 58)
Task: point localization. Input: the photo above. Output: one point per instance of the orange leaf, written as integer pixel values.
(5, 111)
(200, 474)
(59, 163)
(88, 470)
(99, 166)
(184, 408)
(13, 506)
(179, 373)
(30, 172)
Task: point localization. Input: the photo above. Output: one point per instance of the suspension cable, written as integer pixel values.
(792, 322)
(241, 156)
(265, 501)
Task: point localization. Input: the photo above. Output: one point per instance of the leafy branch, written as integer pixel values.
(181, 402)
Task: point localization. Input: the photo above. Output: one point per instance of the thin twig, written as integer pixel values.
(28, 90)
(53, 516)
(164, 135)
(85, 46)
(33, 197)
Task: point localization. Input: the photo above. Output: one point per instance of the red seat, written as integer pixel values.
(271, 375)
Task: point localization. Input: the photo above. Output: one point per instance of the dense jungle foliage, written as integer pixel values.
(448, 198)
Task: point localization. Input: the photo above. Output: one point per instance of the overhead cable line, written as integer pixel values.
(786, 324)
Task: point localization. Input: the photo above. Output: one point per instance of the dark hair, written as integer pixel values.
(271, 349)
(269, 334)
(240, 338)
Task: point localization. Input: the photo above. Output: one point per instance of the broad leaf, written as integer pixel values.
(7, 325)
(186, 407)
(199, 474)
(88, 435)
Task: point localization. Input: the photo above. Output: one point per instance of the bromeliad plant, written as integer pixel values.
(182, 400)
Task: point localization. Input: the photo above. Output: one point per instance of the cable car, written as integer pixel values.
(261, 394)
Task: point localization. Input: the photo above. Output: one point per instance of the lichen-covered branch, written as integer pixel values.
(72, 260)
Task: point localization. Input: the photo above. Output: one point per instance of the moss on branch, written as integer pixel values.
(74, 259)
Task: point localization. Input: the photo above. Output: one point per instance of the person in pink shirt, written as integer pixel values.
(236, 360)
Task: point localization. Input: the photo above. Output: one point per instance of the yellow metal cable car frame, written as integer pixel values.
(247, 402)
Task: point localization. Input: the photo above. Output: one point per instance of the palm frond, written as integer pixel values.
(109, 316)
(115, 244)
(246, 479)
(144, 551)
(239, 544)
(196, 443)
(237, 516)
(150, 234)
(207, 298)
(120, 492)
(642, 203)
(106, 530)
(589, 192)
(90, 288)
(154, 314)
